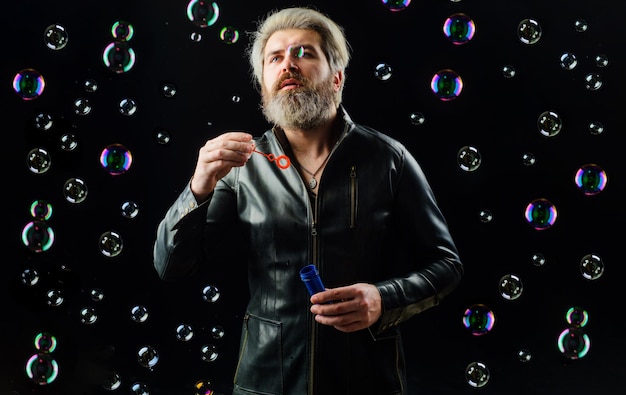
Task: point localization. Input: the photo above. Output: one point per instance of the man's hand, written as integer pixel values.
(217, 157)
(353, 307)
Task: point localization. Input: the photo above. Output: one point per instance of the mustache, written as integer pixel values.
(291, 75)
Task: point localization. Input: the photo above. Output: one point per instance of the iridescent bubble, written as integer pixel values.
(524, 355)
(112, 382)
(528, 158)
(469, 158)
(122, 31)
(38, 160)
(209, 353)
(577, 317)
(540, 214)
(139, 389)
(118, 57)
(75, 190)
(459, 28)
(30, 277)
(82, 106)
(130, 209)
(162, 136)
(446, 85)
(595, 128)
(139, 313)
(602, 60)
(396, 5)
(41, 210)
(203, 387)
(508, 71)
(45, 342)
(116, 159)
(477, 374)
(90, 85)
(42, 369)
(55, 37)
(529, 31)
(128, 106)
(568, 61)
(88, 315)
(168, 89)
(485, 216)
(43, 121)
(593, 81)
(217, 332)
(383, 71)
(573, 343)
(28, 84)
(110, 244)
(591, 267)
(196, 37)
(235, 99)
(229, 35)
(54, 297)
(38, 236)
(203, 13)
(184, 332)
(68, 142)
(479, 319)
(538, 259)
(417, 118)
(549, 123)
(148, 356)
(580, 25)
(96, 294)
(210, 293)
(590, 179)
(510, 286)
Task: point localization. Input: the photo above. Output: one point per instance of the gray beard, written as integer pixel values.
(301, 108)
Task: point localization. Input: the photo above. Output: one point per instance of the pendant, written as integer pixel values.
(312, 183)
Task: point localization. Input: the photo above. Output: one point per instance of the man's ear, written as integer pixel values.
(338, 80)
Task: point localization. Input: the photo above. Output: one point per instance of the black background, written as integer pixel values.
(495, 114)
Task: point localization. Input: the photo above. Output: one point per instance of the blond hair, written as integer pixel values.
(334, 43)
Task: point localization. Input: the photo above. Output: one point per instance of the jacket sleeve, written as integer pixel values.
(428, 251)
(188, 230)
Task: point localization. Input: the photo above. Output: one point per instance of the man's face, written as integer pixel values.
(298, 86)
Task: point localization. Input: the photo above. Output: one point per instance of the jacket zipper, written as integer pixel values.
(353, 196)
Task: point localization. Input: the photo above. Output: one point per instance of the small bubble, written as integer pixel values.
(510, 287)
(573, 343)
(118, 57)
(602, 60)
(28, 84)
(127, 106)
(593, 81)
(595, 128)
(203, 13)
(88, 315)
(42, 369)
(549, 123)
(538, 259)
(591, 179)
(130, 209)
(528, 159)
(417, 118)
(508, 71)
(122, 31)
(38, 160)
(591, 267)
(568, 61)
(55, 37)
(469, 158)
(459, 28)
(383, 71)
(529, 31)
(540, 214)
(209, 353)
(139, 314)
(75, 190)
(479, 319)
(477, 374)
(485, 216)
(446, 85)
(110, 244)
(577, 317)
(524, 355)
(184, 332)
(148, 356)
(38, 236)
(396, 5)
(116, 159)
(82, 106)
(229, 35)
(580, 25)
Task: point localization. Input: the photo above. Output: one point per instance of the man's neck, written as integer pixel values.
(316, 142)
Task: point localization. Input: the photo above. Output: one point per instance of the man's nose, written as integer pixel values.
(290, 63)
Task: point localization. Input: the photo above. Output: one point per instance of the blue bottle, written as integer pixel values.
(311, 278)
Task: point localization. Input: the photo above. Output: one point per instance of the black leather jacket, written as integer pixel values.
(375, 221)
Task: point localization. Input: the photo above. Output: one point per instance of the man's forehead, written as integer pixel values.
(282, 39)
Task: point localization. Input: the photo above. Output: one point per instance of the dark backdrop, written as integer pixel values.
(495, 114)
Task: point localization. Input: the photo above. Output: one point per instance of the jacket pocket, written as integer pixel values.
(259, 369)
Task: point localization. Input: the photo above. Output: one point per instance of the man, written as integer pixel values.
(353, 202)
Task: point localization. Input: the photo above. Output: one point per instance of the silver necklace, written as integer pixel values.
(312, 180)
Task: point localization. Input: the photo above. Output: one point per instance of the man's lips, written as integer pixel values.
(290, 83)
